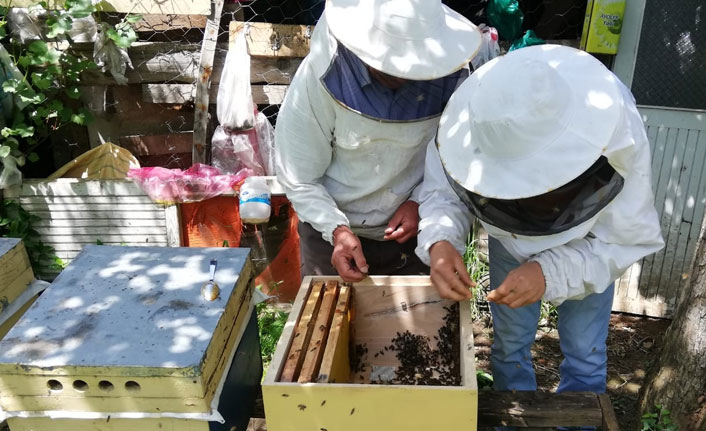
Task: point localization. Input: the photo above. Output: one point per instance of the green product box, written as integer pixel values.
(602, 26)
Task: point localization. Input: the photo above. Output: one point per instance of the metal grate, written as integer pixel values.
(671, 57)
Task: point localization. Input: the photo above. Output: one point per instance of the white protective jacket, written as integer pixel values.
(582, 260)
(338, 166)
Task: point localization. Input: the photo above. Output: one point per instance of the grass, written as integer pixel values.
(270, 322)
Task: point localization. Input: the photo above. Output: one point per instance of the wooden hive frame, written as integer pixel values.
(346, 406)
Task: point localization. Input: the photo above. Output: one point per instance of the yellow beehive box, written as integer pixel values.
(15, 270)
(384, 310)
(127, 329)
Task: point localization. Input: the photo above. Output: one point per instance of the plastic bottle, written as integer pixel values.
(255, 205)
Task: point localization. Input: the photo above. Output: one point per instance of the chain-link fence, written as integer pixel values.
(153, 112)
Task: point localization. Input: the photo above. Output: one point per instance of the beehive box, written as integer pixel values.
(383, 311)
(125, 329)
(15, 274)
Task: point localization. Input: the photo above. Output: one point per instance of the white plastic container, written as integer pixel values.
(255, 200)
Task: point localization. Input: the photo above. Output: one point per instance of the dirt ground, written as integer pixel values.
(633, 343)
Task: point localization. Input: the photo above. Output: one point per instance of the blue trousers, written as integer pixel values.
(583, 328)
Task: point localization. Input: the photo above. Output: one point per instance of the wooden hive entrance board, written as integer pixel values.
(383, 306)
(126, 329)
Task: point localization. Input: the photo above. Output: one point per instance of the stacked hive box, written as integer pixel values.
(15, 275)
(125, 333)
(411, 362)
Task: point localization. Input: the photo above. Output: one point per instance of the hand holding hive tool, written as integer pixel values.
(210, 290)
(347, 257)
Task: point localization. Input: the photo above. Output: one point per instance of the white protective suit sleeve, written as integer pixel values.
(442, 216)
(303, 151)
(626, 231)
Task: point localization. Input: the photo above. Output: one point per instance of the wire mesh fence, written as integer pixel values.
(152, 111)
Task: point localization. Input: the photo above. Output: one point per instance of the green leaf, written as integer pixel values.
(33, 157)
(41, 81)
(80, 8)
(79, 119)
(132, 19)
(11, 85)
(56, 105)
(65, 114)
(73, 92)
(38, 47)
(58, 25)
(99, 242)
(4, 151)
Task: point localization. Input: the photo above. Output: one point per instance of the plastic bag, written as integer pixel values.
(530, 38)
(506, 16)
(234, 105)
(109, 57)
(247, 152)
(10, 175)
(489, 47)
(236, 152)
(170, 186)
(266, 142)
(107, 162)
(24, 24)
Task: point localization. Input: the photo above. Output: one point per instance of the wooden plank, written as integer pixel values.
(162, 23)
(178, 7)
(673, 209)
(78, 246)
(101, 230)
(273, 40)
(335, 366)
(114, 424)
(686, 194)
(12, 289)
(467, 347)
(610, 421)
(317, 344)
(303, 334)
(654, 307)
(112, 223)
(75, 187)
(539, 409)
(184, 93)
(201, 147)
(151, 145)
(100, 215)
(178, 62)
(172, 217)
(87, 205)
(106, 237)
(71, 200)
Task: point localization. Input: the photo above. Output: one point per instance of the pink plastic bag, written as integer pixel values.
(170, 186)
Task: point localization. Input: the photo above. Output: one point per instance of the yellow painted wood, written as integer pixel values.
(317, 344)
(14, 289)
(312, 406)
(274, 40)
(335, 367)
(105, 404)
(15, 273)
(349, 407)
(182, 395)
(5, 327)
(295, 355)
(162, 424)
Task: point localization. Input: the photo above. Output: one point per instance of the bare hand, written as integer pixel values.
(347, 255)
(524, 285)
(448, 272)
(404, 223)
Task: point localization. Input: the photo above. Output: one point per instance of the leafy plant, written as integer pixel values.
(16, 222)
(270, 324)
(658, 420)
(46, 90)
(548, 315)
(485, 380)
(478, 270)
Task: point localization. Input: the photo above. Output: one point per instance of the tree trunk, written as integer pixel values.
(677, 380)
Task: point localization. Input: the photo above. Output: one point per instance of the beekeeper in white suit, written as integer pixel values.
(352, 131)
(546, 147)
